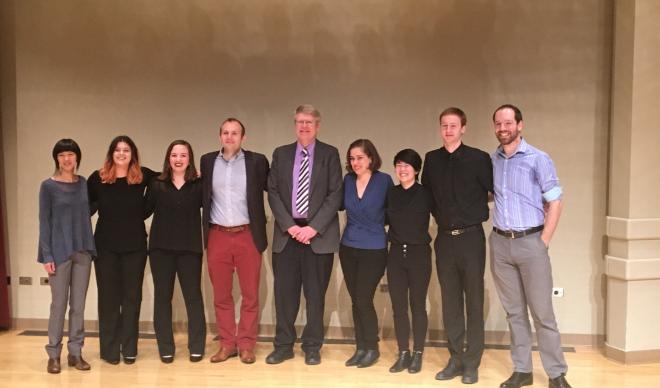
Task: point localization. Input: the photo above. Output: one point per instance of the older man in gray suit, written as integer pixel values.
(305, 193)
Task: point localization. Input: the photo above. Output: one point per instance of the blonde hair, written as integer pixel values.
(308, 110)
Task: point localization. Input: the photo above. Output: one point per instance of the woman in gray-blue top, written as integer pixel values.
(66, 246)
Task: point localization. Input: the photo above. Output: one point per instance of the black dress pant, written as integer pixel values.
(460, 262)
(363, 269)
(408, 276)
(166, 265)
(295, 267)
(119, 278)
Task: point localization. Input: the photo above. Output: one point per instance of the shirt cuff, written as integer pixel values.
(552, 194)
(47, 259)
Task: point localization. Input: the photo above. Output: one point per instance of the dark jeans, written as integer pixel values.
(119, 279)
(408, 276)
(363, 269)
(166, 265)
(460, 262)
(295, 267)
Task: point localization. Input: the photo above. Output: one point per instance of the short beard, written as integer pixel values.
(508, 140)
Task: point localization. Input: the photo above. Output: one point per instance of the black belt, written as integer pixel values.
(301, 221)
(513, 234)
(459, 231)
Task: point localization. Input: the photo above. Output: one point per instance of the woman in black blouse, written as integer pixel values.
(175, 248)
(117, 192)
(409, 258)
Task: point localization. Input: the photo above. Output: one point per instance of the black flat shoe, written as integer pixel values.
(279, 355)
(416, 362)
(558, 382)
(312, 357)
(452, 370)
(355, 358)
(370, 357)
(167, 359)
(470, 376)
(111, 361)
(518, 379)
(196, 357)
(129, 360)
(401, 363)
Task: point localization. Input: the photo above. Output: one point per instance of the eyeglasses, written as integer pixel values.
(304, 123)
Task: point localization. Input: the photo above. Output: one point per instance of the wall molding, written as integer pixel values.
(632, 269)
(494, 337)
(633, 228)
(632, 357)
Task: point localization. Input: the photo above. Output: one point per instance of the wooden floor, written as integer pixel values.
(23, 364)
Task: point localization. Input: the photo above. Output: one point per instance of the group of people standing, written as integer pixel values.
(305, 192)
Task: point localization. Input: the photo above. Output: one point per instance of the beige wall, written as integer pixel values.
(160, 70)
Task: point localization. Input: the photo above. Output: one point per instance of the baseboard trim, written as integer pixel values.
(334, 332)
(632, 356)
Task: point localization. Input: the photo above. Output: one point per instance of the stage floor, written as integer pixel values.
(23, 364)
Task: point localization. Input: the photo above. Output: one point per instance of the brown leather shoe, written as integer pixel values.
(247, 356)
(54, 365)
(223, 354)
(78, 362)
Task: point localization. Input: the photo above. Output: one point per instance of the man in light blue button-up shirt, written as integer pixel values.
(234, 222)
(527, 209)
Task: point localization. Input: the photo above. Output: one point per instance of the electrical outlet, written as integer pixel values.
(558, 292)
(25, 281)
(384, 288)
(43, 281)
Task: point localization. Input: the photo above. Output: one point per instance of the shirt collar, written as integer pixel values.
(457, 152)
(310, 147)
(239, 155)
(523, 147)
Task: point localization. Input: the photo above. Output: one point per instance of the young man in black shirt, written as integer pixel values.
(459, 178)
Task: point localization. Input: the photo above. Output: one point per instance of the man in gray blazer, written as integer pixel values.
(305, 193)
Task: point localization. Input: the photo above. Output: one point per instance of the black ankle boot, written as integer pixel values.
(355, 358)
(416, 362)
(370, 357)
(403, 362)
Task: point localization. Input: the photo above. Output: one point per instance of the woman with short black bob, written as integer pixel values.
(117, 192)
(66, 248)
(409, 207)
(175, 248)
(363, 248)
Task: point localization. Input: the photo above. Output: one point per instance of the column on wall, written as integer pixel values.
(633, 221)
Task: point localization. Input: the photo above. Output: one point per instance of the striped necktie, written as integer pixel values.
(302, 194)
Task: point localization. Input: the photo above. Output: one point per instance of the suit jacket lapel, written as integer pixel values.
(249, 167)
(317, 170)
(208, 181)
(287, 168)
